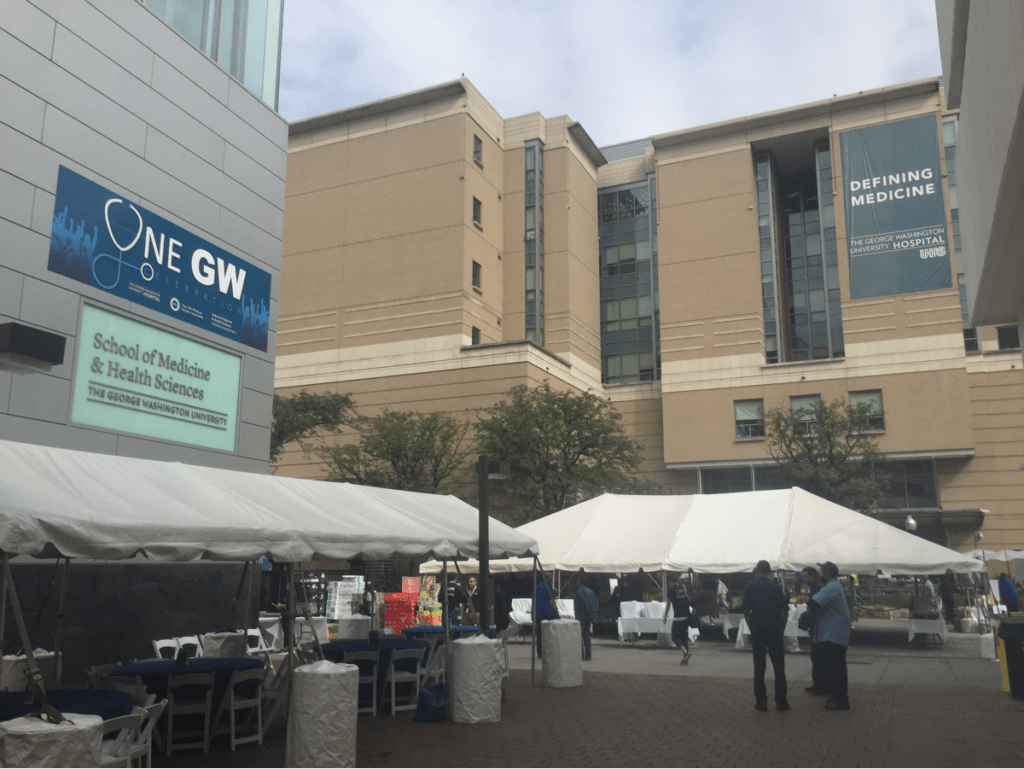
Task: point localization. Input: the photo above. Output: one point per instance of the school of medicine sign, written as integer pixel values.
(101, 239)
(138, 379)
(895, 213)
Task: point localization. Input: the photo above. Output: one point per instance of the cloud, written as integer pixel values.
(624, 70)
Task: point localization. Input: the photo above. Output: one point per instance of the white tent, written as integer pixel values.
(726, 533)
(77, 504)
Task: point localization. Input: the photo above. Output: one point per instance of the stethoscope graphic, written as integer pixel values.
(145, 269)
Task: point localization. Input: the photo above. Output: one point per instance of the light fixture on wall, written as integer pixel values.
(910, 524)
(27, 350)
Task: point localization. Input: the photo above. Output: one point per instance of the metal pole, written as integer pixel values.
(484, 556)
(536, 629)
(447, 615)
(58, 659)
(3, 609)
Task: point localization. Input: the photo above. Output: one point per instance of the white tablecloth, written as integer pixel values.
(14, 676)
(648, 617)
(731, 621)
(322, 715)
(355, 626)
(33, 742)
(935, 626)
(475, 683)
(273, 626)
(562, 661)
(789, 635)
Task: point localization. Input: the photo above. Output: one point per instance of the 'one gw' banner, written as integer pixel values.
(102, 239)
(895, 214)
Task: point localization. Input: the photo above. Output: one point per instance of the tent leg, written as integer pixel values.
(33, 667)
(447, 615)
(536, 629)
(3, 609)
(57, 657)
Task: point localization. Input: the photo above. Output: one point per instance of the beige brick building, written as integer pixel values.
(437, 254)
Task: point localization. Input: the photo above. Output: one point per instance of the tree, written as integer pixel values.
(827, 450)
(303, 414)
(558, 445)
(401, 450)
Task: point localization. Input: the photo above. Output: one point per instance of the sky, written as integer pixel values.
(625, 70)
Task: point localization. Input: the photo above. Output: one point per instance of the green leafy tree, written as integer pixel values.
(301, 415)
(828, 450)
(401, 450)
(558, 445)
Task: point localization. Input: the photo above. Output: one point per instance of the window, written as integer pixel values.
(475, 335)
(805, 408)
(724, 480)
(911, 484)
(749, 419)
(871, 402)
(476, 275)
(478, 151)
(1009, 338)
(477, 212)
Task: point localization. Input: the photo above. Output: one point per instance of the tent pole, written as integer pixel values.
(33, 667)
(3, 609)
(533, 610)
(57, 657)
(446, 615)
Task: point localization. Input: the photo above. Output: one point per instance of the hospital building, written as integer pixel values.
(437, 253)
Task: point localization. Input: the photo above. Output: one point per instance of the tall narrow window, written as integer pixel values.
(475, 335)
(805, 408)
(477, 212)
(630, 349)
(478, 151)
(533, 239)
(476, 275)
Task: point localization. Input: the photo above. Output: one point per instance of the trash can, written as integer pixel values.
(1011, 637)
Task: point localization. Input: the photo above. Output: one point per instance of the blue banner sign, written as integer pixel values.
(110, 243)
(895, 213)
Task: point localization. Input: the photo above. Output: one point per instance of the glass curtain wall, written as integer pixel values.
(534, 240)
(630, 339)
(242, 36)
(949, 126)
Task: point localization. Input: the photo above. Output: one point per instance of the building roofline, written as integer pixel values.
(587, 144)
(410, 99)
(799, 112)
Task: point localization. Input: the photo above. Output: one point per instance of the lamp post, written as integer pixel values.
(486, 470)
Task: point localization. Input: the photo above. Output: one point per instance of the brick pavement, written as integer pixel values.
(617, 719)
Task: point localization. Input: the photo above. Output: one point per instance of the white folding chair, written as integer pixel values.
(354, 658)
(117, 752)
(178, 705)
(434, 670)
(397, 676)
(191, 640)
(503, 636)
(236, 699)
(142, 748)
(258, 646)
(166, 648)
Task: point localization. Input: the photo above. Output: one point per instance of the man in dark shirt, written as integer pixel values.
(766, 610)
(809, 575)
(585, 602)
(473, 602)
(456, 597)
(679, 601)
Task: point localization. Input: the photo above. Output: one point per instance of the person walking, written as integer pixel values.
(766, 610)
(1007, 593)
(546, 606)
(832, 636)
(585, 602)
(809, 575)
(682, 613)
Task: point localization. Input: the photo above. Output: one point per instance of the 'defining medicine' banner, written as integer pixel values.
(106, 241)
(895, 211)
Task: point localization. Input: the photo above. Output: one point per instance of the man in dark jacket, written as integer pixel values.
(766, 610)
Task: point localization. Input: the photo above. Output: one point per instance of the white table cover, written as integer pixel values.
(355, 626)
(731, 620)
(274, 628)
(934, 626)
(33, 742)
(322, 715)
(14, 675)
(563, 659)
(225, 645)
(789, 636)
(648, 617)
(521, 611)
(475, 682)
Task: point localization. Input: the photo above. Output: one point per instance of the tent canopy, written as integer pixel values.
(58, 502)
(726, 533)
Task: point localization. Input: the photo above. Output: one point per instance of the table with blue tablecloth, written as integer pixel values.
(426, 631)
(155, 673)
(335, 652)
(93, 702)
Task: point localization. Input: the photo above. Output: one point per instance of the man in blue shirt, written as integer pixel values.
(831, 636)
(585, 602)
(545, 602)
(1007, 593)
(766, 610)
